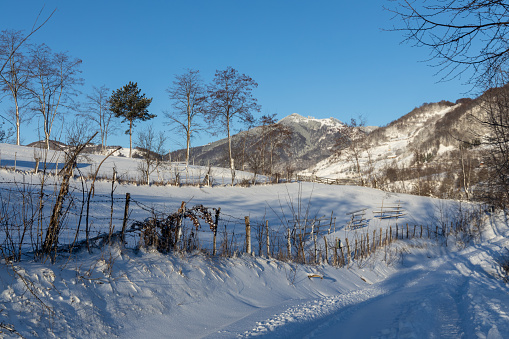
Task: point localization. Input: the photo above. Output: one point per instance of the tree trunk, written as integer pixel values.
(188, 146)
(17, 122)
(130, 138)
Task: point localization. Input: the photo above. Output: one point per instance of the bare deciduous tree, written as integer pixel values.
(462, 35)
(350, 143)
(188, 96)
(230, 98)
(151, 144)
(53, 85)
(495, 116)
(97, 110)
(4, 59)
(15, 75)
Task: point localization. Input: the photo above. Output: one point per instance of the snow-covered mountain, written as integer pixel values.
(311, 141)
(424, 142)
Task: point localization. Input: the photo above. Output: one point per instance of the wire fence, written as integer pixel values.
(88, 220)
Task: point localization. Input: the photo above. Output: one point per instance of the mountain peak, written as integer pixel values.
(295, 117)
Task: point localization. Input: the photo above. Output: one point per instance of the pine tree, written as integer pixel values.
(129, 104)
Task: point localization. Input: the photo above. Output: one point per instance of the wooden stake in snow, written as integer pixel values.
(248, 235)
(347, 252)
(267, 234)
(126, 214)
(326, 250)
(289, 243)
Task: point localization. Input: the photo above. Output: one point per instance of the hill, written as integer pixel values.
(311, 141)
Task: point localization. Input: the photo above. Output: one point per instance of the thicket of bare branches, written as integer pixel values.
(462, 35)
(151, 145)
(189, 98)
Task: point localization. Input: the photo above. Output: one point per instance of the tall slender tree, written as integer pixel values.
(54, 78)
(129, 104)
(189, 98)
(15, 76)
(230, 99)
(97, 110)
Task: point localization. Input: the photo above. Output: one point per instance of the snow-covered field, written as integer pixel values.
(411, 289)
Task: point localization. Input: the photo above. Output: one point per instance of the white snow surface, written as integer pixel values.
(412, 289)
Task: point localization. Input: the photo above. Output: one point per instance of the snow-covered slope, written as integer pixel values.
(397, 143)
(413, 288)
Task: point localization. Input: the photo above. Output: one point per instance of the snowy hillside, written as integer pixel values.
(311, 141)
(393, 143)
(411, 288)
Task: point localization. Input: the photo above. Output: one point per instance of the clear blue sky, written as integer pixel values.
(317, 58)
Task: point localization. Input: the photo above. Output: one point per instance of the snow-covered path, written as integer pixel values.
(453, 295)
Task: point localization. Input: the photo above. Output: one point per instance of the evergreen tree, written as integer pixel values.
(129, 104)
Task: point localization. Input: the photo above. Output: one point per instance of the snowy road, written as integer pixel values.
(441, 300)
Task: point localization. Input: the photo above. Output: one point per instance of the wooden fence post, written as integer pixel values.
(181, 210)
(397, 231)
(336, 259)
(355, 252)
(390, 236)
(347, 252)
(407, 230)
(268, 237)
(342, 257)
(315, 252)
(289, 244)
(374, 241)
(248, 235)
(301, 249)
(126, 214)
(326, 250)
(216, 225)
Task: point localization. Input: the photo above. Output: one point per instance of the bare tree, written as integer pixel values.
(278, 140)
(230, 98)
(15, 75)
(53, 85)
(4, 59)
(97, 110)
(495, 115)
(188, 96)
(151, 145)
(350, 143)
(462, 35)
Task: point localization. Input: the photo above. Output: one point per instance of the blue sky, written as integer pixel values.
(316, 58)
